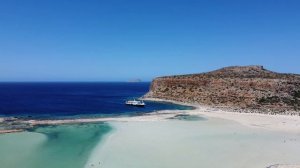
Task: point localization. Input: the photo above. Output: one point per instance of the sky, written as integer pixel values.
(119, 40)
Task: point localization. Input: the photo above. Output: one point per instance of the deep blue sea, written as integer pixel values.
(71, 100)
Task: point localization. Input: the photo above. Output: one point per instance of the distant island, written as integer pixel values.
(242, 87)
(134, 80)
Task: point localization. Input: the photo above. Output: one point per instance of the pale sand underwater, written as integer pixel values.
(209, 143)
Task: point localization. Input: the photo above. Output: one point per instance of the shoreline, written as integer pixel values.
(278, 122)
(268, 121)
(227, 108)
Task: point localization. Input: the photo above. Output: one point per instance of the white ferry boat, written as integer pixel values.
(139, 103)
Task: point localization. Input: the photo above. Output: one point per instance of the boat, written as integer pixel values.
(139, 103)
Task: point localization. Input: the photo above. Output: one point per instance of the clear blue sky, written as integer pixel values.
(110, 40)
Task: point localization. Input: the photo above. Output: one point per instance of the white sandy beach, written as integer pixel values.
(286, 123)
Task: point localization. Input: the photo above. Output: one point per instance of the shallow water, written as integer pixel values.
(211, 143)
(62, 146)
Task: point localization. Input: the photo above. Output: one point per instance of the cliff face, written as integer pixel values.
(251, 87)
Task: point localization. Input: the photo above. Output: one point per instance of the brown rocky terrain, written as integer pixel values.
(243, 87)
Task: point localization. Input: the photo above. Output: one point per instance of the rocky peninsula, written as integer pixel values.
(237, 87)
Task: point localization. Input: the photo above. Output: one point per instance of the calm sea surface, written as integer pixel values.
(69, 145)
(41, 100)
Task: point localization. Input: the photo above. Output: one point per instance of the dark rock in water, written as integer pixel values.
(243, 87)
(13, 124)
(187, 117)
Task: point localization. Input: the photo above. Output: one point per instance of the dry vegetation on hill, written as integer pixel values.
(245, 87)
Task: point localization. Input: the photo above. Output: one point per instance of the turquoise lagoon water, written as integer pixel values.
(60, 146)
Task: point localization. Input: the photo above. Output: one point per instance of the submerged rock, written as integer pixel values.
(188, 117)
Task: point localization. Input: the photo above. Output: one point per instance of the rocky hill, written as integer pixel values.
(244, 87)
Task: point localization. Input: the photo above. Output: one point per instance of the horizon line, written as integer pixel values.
(73, 82)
